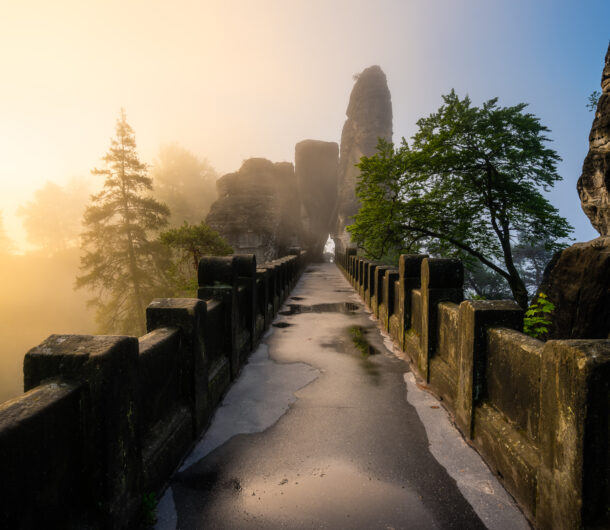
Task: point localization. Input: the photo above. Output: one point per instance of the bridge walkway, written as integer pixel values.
(326, 427)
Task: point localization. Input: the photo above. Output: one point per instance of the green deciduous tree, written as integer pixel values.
(469, 185)
(186, 183)
(190, 243)
(123, 261)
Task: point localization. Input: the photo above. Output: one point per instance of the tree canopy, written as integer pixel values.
(469, 185)
(186, 183)
(123, 259)
(52, 219)
(6, 244)
(190, 243)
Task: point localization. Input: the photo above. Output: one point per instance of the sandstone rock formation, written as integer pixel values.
(594, 183)
(578, 283)
(316, 164)
(369, 116)
(258, 209)
(578, 280)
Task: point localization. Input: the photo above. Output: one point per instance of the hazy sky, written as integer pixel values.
(234, 79)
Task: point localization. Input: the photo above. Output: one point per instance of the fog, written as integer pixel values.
(37, 300)
(225, 81)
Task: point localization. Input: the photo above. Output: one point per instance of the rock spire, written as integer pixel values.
(369, 117)
(594, 183)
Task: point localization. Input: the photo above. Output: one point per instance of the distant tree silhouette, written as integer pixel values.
(52, 220)
(123, 261)
(6, 244)
(186, 183)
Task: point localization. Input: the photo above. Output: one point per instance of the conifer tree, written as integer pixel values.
(123, 261)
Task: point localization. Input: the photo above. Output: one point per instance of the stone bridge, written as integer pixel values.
(296, 395)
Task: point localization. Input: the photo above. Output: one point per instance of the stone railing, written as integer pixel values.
(105, 420)
(537, 412)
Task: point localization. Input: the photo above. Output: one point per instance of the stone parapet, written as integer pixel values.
(107, 419)
(537, 412)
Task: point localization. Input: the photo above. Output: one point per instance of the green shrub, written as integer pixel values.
(537, 317)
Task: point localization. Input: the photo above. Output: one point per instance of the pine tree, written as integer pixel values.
(123, 261)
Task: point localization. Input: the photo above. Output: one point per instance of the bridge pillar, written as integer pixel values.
(409, 271)
(217, 278)
(442, 280)
(111, 452)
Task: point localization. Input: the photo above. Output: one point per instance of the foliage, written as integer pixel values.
(483, 283)
(531, 259)
(186, 183)
(467, 186)
(122, 260)
(536, 320)
(191, 242)
(6, 244)
(592, 100)
(52, 220)
(149, 509)
(359, 340)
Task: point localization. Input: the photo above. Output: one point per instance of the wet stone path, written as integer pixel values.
(327, 428)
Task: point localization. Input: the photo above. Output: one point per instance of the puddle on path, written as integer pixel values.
(281, 324)
(334, 494)
(346, 308)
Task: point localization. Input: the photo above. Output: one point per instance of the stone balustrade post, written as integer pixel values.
(217, 278)
(386, 306)
(188, 315)
(245, 265)
(574, 472)
(442, 280)
(409, 272)
(112, 455)
(474, 319)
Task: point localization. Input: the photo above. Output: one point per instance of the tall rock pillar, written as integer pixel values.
(369, 117)
(577, 281)
(594, 183)
(316, 164)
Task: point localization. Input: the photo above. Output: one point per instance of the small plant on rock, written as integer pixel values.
(149, 510)
(537, 317)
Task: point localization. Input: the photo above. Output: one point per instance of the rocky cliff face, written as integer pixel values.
(369, 116)
(594, 183)
(577, 281)
(258, 209)
(316, 164)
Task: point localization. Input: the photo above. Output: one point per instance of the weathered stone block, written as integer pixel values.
(43, 458)
(188, 315)
(166, 417)
(409, 271)
(441, 281)
(512, 378)
(386, 308)
(475, 317)
(108, 367)
(377, 299)
(573, 478)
